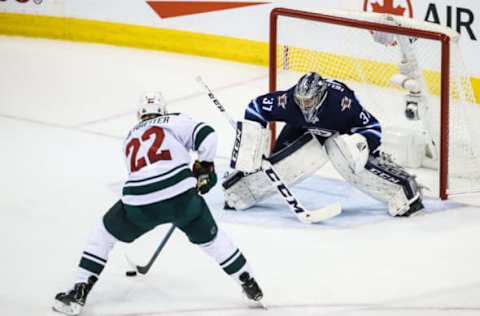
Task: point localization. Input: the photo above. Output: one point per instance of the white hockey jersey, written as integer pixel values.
(157, 154)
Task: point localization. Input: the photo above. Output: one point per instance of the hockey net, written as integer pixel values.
(340, 45)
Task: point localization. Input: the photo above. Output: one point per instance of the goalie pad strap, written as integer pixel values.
(290, 149)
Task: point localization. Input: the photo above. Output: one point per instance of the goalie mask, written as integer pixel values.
(310, 92)
(151, 103)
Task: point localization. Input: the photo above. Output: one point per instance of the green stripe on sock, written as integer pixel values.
(236, 265)
(228, 259)
(91, 266)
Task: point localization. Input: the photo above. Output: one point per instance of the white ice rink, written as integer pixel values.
(64, 109)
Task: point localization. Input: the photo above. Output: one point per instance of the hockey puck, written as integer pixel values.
(131, 273)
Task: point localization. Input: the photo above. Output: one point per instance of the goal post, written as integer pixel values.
(339, 45)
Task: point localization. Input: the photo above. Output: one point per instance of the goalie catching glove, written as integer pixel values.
(204, 171)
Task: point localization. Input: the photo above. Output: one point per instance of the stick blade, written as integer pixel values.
(322, 214)
(143, 270)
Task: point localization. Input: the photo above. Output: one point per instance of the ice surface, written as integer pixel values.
(64, 108)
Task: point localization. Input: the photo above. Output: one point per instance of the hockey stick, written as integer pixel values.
(144, 269)
(304, 215)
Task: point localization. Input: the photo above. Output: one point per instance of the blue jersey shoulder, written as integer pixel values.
(341, 112)
(271, 107)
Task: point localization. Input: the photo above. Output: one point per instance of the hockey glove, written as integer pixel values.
(204, 171)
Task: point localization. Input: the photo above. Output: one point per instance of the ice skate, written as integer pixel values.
(250, 287)
(71, 302)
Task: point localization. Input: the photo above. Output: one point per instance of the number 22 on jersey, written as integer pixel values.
(154, 153)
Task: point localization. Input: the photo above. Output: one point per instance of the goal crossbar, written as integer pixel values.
(441, 37)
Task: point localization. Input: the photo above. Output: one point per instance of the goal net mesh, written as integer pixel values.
(351, 55)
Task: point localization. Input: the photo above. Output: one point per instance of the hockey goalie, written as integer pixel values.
(324, 121)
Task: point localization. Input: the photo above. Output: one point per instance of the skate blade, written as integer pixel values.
(262, 305)
(71, 310)
(420, 213)
(259, 305)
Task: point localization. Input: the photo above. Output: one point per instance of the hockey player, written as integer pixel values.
(324, 121)
(161, 188)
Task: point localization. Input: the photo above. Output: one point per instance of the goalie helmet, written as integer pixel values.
(310, 92)
(151, 103)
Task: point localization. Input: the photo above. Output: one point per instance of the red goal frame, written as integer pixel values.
(330, 19)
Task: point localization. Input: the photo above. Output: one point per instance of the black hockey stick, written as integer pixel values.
(303, 214)
(144, 269)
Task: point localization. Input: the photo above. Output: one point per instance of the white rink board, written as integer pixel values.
(252, 22)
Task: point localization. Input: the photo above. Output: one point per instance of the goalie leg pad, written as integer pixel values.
(406, 196)
(382, 179)
(243, 190)
(352, 148)
(294, 163)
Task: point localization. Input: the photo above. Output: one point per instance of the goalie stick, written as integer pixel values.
(304, 215)
(144, 269)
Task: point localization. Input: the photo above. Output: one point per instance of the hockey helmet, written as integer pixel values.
(151, 103)
(310, 92)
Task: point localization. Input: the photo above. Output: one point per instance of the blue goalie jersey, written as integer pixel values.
(341, 112)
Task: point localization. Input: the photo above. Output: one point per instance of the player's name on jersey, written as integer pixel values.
(155, 121)
(158, 120)
(335, 85)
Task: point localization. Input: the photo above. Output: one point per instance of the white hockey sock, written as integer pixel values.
(228, 256)
(95, 256)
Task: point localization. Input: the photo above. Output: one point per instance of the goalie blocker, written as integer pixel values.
(379, 177)
(251, 145)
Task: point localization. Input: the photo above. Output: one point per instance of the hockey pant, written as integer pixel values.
(188, 211)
